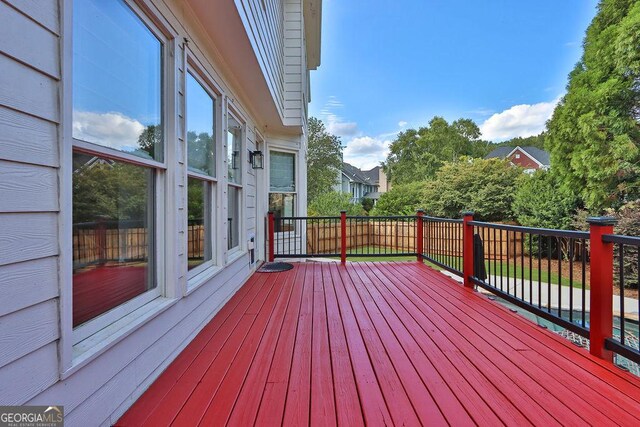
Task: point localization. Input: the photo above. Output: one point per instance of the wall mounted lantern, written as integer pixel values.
(256, 158)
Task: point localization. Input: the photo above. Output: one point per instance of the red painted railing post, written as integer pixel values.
(601, 283)
(343, 237)
(467, 249)
(101, 240)
(271, 231)
(419, 235)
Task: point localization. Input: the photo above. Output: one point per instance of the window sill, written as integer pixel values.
(90, 348)
(201, 278)
(234, 254)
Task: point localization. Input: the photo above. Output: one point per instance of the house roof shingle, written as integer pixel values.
(540, 155)
(357, 175)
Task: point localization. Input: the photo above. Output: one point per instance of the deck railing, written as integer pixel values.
(565, 277)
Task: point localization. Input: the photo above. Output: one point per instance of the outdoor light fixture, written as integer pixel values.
(256, 158)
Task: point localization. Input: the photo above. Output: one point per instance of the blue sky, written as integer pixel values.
(389, 65)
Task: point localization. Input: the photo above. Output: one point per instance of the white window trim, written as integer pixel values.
(69, 336)
(205, 271)
(232, 254)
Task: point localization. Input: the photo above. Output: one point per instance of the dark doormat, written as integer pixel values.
(275, 267)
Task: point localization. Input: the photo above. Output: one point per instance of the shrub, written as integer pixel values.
(367, 204)
(628, 224)
(403, 199)
(541, 201)
(332, 203)
(484, 186)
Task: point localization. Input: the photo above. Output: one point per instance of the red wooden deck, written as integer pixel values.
(380, 343)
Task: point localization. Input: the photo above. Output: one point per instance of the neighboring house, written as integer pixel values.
(529, 158)
(130, 209)
(359, 183)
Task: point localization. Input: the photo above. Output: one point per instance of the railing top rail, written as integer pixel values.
(438, 219)
(382, 217)
(625, 240)
(337, 218)
(573, 234)
(282, 218)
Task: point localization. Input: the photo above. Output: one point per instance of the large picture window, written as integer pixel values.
(201, 156)
(117, 76)
(282, 185)
(118, 161)
(234, 187)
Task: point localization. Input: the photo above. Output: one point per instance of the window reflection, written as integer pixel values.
(233, 154)
(112, 234)
(116, 79)
(234, 217)
(200, 146)
(198, 240)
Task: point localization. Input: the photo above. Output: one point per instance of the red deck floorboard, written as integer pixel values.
(380, 343)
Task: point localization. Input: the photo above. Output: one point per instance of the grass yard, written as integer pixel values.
(500, 268)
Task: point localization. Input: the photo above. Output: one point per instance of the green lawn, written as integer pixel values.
(374, 249)
(500, 269)
(515, 273)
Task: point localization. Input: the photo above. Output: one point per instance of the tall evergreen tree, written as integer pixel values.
(594, 134)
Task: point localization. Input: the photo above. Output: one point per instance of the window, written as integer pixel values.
(234, 187)
(118, 160)
(117, 76)
(201, 164)
(282, 185)
(517, 155)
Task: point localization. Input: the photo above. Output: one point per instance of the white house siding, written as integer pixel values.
(264, 24)
(295, 67)
(29, 161)
(33, 343)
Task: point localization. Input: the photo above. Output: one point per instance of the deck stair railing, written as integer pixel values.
(586, 283)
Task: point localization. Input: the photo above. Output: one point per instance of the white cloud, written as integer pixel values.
(520, 120)
(402, 123)
(335, 124)
(366, 152)
(114, 130)
(337, 127)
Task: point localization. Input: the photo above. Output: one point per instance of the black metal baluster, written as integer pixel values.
(571, 244)
(530, 268)
(583, 255)
(621, 267)
(508, 262)
(549, 274)
(522, 263)
(559, 249)
(501, 260)
(539, 271)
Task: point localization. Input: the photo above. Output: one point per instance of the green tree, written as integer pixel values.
(332, 203)
(324, 160)
(594, 133)
(541, 201)
(484, 186)
(402, 199)
(529, 141)
(367, 204)
(109, 189)
(416, 155)
(150, 141)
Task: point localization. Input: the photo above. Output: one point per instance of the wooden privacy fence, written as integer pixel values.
(101, 242)
(439, 238)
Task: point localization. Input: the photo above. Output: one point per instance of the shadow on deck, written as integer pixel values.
(380, 343)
